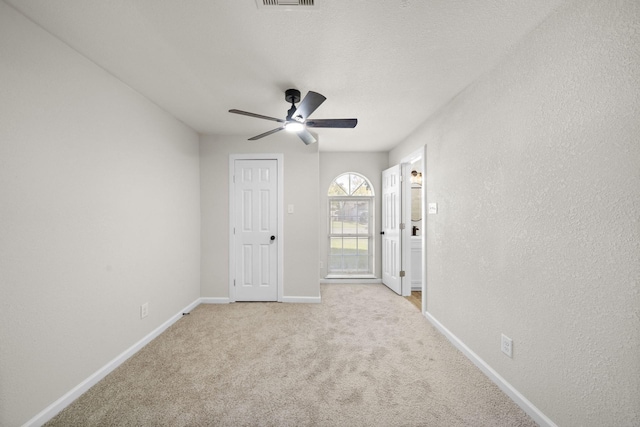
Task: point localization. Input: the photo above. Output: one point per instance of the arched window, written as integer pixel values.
(350, 225)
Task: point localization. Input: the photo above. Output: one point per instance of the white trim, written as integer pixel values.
(405, 235)
(424, 228)
(214, 300)
(350, 276)
(52, 410)
(413, 156)
(350, 281)
(279, 157)
(312, 300)
(507, 388)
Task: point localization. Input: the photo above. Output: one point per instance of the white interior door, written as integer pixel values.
(391, 236)
(255, 230)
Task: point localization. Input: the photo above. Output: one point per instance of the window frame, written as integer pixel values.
(358, 199)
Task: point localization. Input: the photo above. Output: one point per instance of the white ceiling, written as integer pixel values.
(391, 64)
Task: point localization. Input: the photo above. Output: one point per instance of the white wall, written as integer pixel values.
(333, 164)
(99, 212)
(536, 170)
(300, 228)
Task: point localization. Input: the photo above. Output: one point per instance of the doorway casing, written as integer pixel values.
(405, 238)
(418, 155)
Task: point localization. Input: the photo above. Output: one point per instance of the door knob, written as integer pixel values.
(382, 232)
(273, 237)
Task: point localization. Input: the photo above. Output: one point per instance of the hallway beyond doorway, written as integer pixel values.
(416, 299)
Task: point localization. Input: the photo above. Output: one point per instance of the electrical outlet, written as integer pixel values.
(506, 345)
(144, 310)
(321, 264)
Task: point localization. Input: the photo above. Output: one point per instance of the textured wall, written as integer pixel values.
(99, 212)
(300, 228)
(371, 166)
(536, 170)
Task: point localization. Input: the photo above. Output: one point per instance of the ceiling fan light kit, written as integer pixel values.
(293, 127)
(297, 117)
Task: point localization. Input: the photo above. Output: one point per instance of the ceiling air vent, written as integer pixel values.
(286, 4)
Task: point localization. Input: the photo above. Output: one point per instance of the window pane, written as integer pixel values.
(348, 209)
(363, 217)
(363, 190)
(363, 228)
(351, 264)
(350, 256)
(349, 227)
(335, 263)
(335, 206)
(335, 247)
(336, 190)
(343, 182)
(336, 226)
(363, 263)
(363, 246)
(349, 245)
(355, 182)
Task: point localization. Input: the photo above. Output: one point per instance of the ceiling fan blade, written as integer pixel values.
(262, 135)
(308, 105)
(257, 116)
(306, 137)
(332, 123)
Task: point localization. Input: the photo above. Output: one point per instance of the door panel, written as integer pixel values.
(391, 217)
(256, 196)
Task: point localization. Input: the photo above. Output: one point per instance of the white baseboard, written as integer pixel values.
(350, 281)
(507, 388)
(57, 406)
(214, 300)
(52, 410)
(312, 300)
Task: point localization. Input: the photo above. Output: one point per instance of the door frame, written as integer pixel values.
(421, 154)
(279, 158)
(405, 235)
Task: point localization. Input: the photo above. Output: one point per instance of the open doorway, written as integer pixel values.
(417, 230)
(403, 225)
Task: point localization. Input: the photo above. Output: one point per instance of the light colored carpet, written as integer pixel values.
(364, 357)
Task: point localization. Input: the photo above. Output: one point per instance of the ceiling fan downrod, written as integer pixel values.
(292, 96)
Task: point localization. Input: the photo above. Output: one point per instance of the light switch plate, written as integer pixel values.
(433, 208)
(144, 310)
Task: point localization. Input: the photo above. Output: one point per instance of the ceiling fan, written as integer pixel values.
(297, 119)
